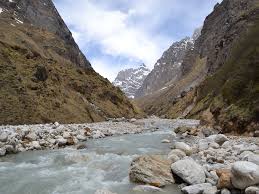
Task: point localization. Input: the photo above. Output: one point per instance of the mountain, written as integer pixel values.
(168, 67)
(219, 82)
(130, 80)
(44, 75)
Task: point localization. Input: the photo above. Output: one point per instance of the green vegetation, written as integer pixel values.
(233, 91)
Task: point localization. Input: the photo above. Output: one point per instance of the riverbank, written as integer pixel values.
(15, 139)
(203, 161)
(104, 164)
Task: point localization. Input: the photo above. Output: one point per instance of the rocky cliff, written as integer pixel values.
(219, 80)
(168, 68)
(44, 75)
(130, 80)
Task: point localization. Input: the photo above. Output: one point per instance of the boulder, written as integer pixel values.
(61, 142)
(254, 158)
(81, 137)
(152, 170)
(176, 155)
(10, 149)
(224, 180)
(98, 134)
(220, 139)
(103, 191)
(252, 190)
(244, 174)
(196, 189)
(36, 145)
(184, 147)
(225, 191)
(203, 145)
(81, 146)
(3, 137)
(210, 190)
(31, 136)
(189, 171)
(2, 151)
(147, 188)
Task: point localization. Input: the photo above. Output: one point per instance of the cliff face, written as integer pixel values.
(220, 75)
(44, 75)
(130, 80)
(167, 69)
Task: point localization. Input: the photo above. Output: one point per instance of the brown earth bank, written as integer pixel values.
(44, 77)
(220, 76)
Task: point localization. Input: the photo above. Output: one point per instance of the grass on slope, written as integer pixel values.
(233, 91)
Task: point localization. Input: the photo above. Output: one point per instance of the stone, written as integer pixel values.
(31, 136)
(98, 134)
(203, 145)
(225, 191)
(256, 133)
(152, 170)
(3, 137)
(252, 190)
(245, 174)
(210, 190)
(2, 151)
(10, 149)
(103, 191)
(182, 129)
(147, 188)
(214, 145)
(70, 141)
(220, 139)
(254, 158)
(133, 120)
(196, 189)
(81, 146)
(165, 141)
(224, 180)
(36, 145)
(61, 142)
(176, 155)
(81, 137)
(66, 135)
(184, 147)
(56, 124)
(189, 171)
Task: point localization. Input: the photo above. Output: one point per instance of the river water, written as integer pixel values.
(104, 164)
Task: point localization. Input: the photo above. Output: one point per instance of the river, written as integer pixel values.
(104, 164)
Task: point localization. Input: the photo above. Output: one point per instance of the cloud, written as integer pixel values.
(135, 30)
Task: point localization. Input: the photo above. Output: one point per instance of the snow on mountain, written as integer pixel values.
(130, 80)
(168, 68)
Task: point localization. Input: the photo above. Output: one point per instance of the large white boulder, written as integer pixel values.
(189, 171)
(244, 174)
(152, 170)
(184, 147)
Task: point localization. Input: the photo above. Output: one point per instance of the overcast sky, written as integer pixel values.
(116, 34)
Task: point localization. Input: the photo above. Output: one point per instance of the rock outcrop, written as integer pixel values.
(44, 76)
(219, 80)
(130, 80)
(167, 69)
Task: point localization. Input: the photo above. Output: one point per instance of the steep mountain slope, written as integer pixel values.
(168, 68)
(130, 80)
(220, 75)
(44, 75)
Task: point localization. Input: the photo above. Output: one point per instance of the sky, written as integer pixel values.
(119, 34)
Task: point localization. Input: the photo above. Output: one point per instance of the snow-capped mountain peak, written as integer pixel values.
(130, 80)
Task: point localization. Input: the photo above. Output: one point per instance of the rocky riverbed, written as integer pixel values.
(203, 161)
